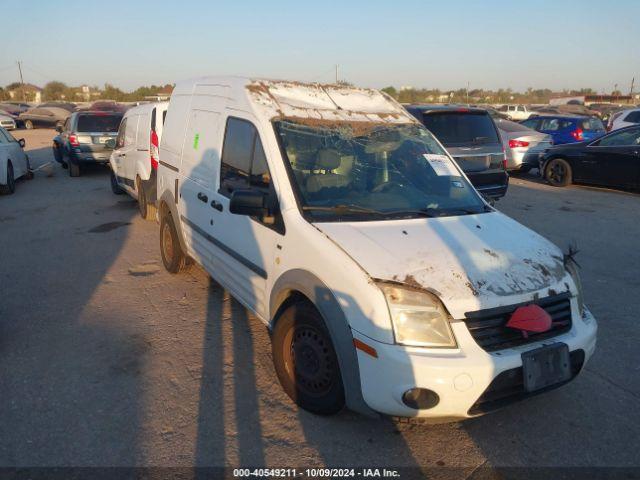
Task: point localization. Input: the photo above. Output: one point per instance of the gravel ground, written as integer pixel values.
(108, 360)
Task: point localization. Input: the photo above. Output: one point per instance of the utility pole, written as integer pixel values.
(467, 93)
(336, 73)
(633, 80)
(24, 94)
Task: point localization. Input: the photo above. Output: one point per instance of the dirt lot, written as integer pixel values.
(106, 359)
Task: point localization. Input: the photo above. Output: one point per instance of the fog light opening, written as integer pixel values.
(420, 398)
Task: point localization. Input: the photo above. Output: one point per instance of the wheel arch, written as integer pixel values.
(167, 204)
(297, 284)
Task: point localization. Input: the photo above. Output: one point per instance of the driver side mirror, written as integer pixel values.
(22, 142)
(59, 128)
(250, 202)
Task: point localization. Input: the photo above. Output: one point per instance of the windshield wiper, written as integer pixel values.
(441, 212)
(342, 209)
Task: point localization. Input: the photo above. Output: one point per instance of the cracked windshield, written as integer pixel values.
(365, 170)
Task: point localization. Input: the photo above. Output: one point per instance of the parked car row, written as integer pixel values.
(388, 283)
(48, 114)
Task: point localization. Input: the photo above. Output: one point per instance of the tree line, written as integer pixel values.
(480, 96)
(59, 91)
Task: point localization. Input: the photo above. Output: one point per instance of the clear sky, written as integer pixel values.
(434, 44)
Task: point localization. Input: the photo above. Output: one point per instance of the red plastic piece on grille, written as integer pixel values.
(531, 318)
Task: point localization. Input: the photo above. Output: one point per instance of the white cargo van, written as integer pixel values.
(388, 284)
(134, 160)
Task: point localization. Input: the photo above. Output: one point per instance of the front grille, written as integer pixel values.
(489, 330)
(508, 387)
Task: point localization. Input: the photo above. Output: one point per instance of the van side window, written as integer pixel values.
(121, 130)
(243, 161)
(260, 176)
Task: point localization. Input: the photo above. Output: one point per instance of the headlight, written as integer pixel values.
(572, 268)
(418, 318)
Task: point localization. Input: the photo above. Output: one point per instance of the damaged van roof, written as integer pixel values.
(296, 100)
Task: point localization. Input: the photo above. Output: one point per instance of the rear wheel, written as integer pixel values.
(74, 169)
(10, 186)
(173, 257)
(28, 124)
(558, 172)
(305, 360)
(147, 210)
(115, 187)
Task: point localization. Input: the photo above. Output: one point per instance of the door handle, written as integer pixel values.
(202, 197)
(216, 205)
(122, 154)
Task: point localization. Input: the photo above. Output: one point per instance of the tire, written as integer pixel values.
(115, 187)
(59, 125)
(10, 187)
(74, 169)
(28, 124)
(147, 210)
(558, 172)
(315, 383)
(173, 257)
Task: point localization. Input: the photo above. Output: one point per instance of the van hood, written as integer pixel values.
(470, 262)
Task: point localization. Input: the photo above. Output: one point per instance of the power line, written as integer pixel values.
(33, 70)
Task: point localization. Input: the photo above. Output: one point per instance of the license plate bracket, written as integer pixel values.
(546, 366)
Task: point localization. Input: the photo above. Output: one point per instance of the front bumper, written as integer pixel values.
(493, 184)
(458, 376)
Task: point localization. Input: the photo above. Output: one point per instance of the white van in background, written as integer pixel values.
(134, 160)
(388, 284)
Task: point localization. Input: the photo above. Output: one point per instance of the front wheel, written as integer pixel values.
(558, 172)
(305, 360)
(28, 124)
(10, 186)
